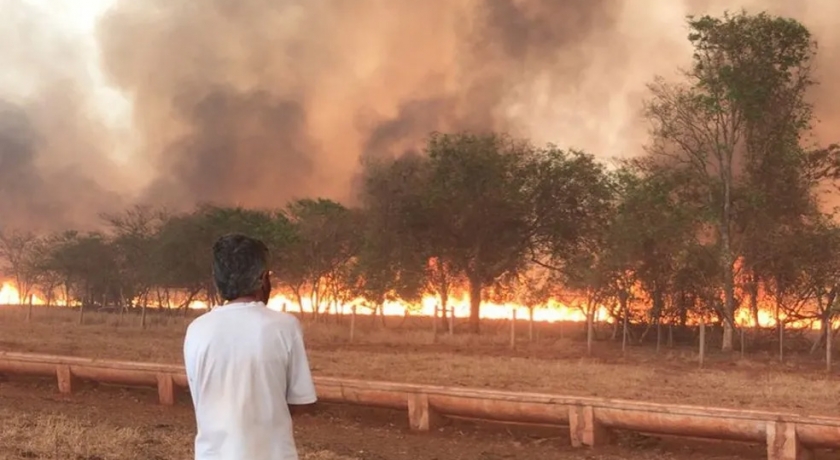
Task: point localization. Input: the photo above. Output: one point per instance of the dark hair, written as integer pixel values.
(239, 263)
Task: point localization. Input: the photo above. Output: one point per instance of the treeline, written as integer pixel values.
(722, 214)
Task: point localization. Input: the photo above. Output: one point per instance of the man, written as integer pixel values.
(246, 365)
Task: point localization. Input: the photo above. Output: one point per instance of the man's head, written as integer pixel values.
(240, 268)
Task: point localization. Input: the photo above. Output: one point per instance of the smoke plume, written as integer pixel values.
(53, 167)
(255, 103)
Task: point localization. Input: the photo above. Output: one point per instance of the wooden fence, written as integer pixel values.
(590, 420)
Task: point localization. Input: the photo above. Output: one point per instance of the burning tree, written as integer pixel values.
(742, 102)
(18, 251)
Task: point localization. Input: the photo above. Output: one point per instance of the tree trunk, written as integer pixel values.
(29, 310)
(828, 346)
(299, 297)
(313, 301)
(728, 286)
(444, 304)
(622, 299)
(780, 327)
(781, 342)
(702, 340)
(475, 305)
(658, 335)
(823, 331)
(531, 324)
(753, 292)
(590, 328)
(826, 316)
(513, 328)
(382, 313)
(435, 323)
(353, 323)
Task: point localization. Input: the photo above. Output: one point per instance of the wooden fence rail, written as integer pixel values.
(590, 420)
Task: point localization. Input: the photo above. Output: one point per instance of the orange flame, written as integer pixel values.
(554, 311)
(460, 305)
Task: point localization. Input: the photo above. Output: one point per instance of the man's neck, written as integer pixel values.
(244, 299)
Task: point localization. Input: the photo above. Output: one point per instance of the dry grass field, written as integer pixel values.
(405, 351)
(93, 424)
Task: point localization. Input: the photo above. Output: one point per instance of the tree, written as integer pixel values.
(477, 197)
(746, 69)
(324, 238)
(571, 198)
(653, 222)
(133, 238)
(466, 209)
(17, 252)
(87, 267)
(397, 250)
(182, 257)
(48, 279)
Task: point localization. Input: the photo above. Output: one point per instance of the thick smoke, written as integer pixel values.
(253, 102)
(54, 172)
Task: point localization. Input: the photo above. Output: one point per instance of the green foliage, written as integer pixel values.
(734, 128)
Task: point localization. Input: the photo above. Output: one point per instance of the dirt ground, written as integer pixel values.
(556, 362)
(107, 423)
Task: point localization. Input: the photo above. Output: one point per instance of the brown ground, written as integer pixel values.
(555, 363)
(106, 423)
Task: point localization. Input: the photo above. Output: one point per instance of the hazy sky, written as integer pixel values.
(104, 102)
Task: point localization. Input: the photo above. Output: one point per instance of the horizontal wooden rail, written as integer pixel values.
(590, 420)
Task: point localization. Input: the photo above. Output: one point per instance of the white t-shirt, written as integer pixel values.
(245, 364)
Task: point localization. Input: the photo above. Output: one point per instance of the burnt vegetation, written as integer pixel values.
(723, 218)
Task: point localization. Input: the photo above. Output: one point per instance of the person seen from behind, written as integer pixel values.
(246, 365)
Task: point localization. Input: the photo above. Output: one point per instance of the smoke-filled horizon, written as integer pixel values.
(255, 103)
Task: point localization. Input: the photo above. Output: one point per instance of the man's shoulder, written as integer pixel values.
(200, 320)
(214, 319)
(286, 321)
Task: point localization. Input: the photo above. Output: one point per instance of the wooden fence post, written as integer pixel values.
(166, 389)
(783, 443)
(421, 416)
(584, 430)
(65, 379)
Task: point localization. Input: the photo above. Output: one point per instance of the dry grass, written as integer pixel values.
(407, 353)
(56, 436)
(92, 425)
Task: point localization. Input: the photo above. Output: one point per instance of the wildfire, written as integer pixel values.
(460, 305)
(9, 295)
(553, 312)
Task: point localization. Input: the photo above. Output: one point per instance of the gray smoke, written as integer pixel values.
(54, 171)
